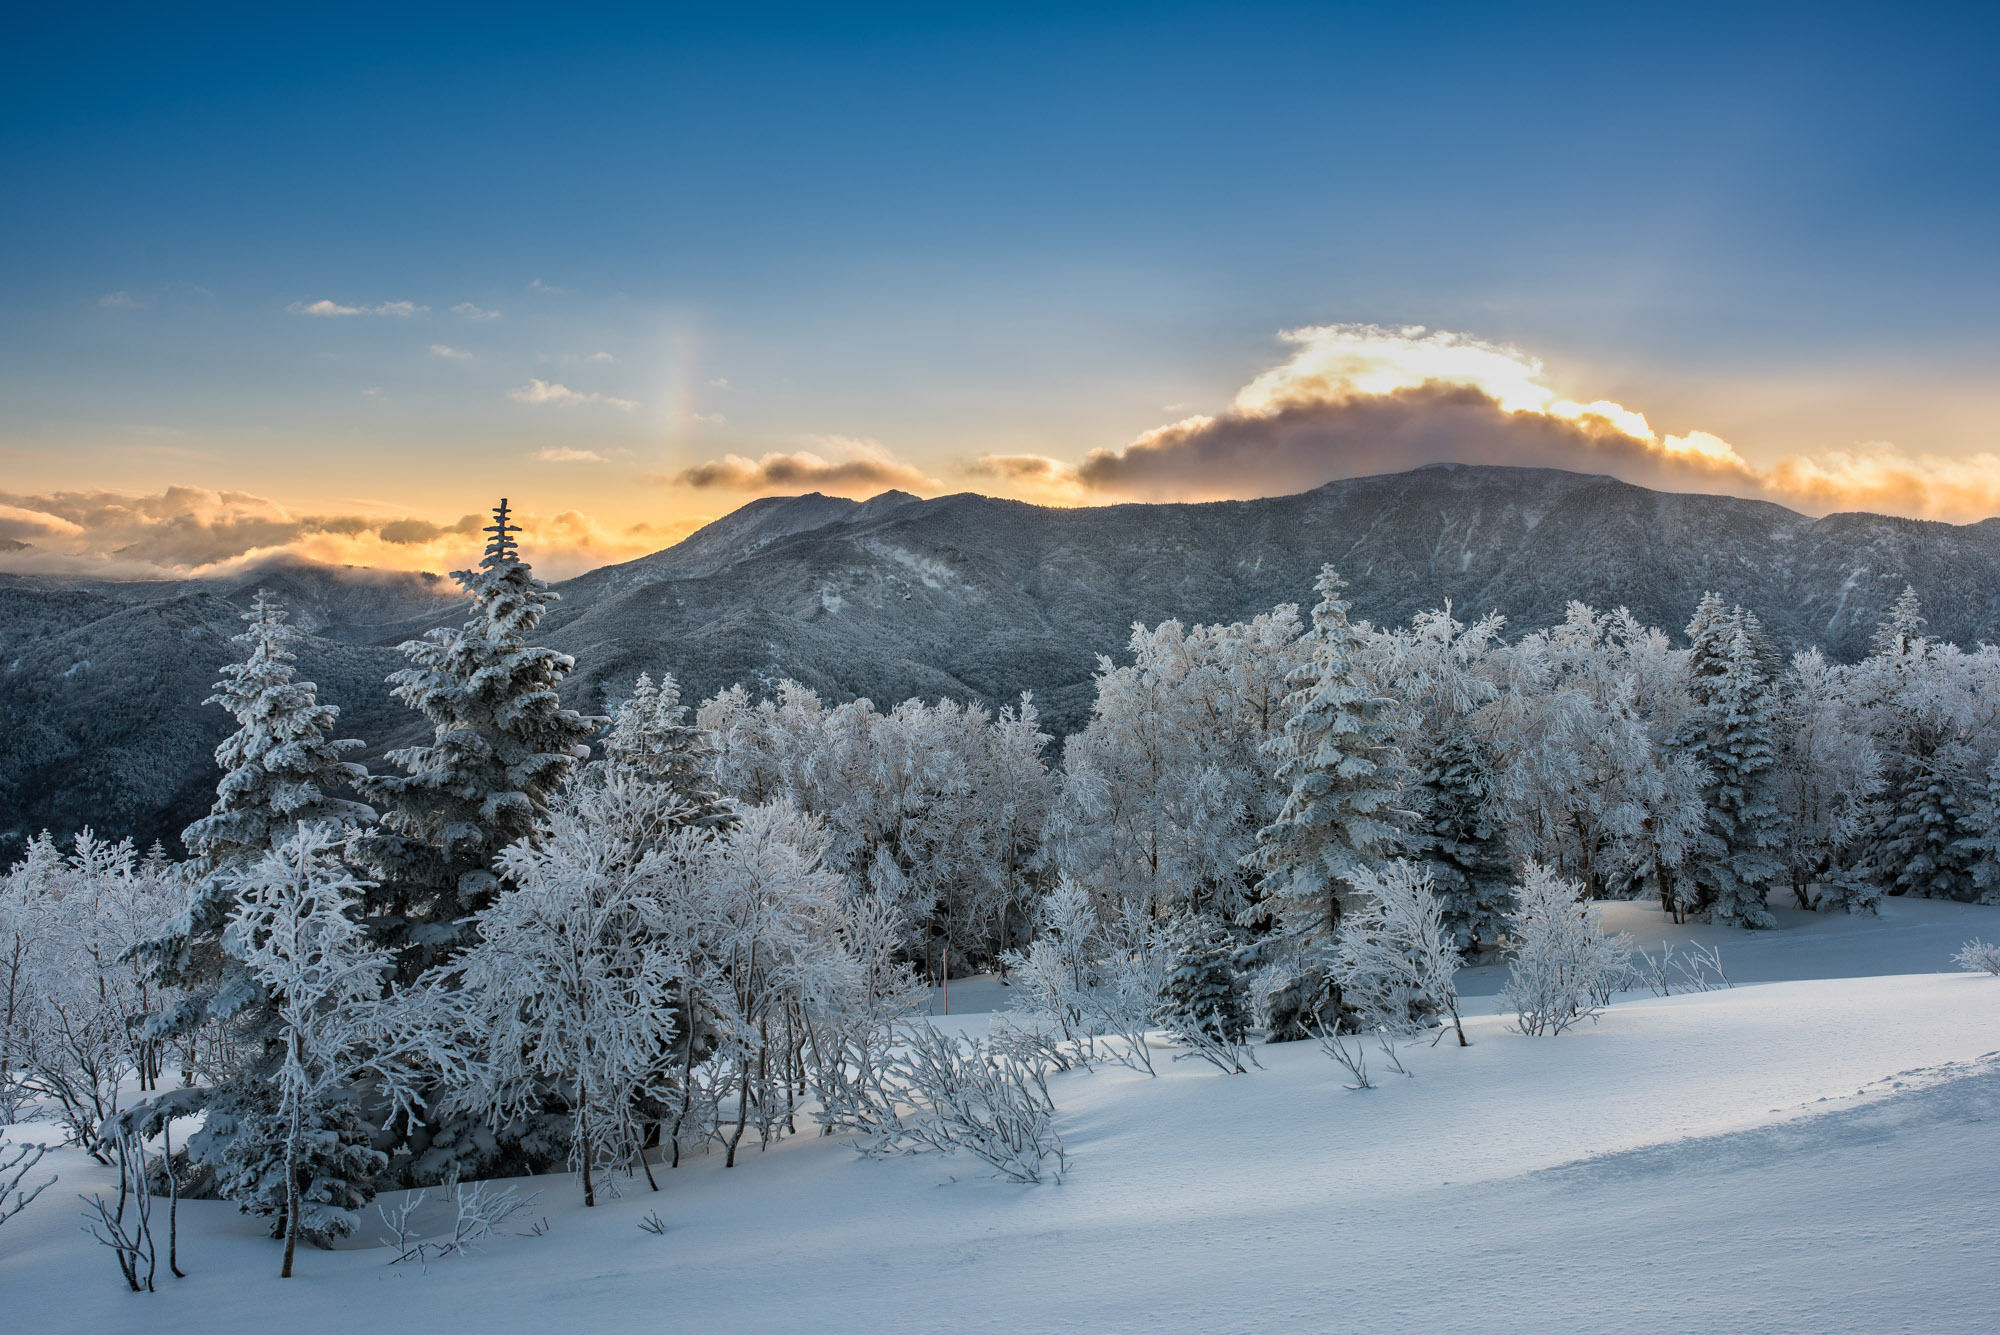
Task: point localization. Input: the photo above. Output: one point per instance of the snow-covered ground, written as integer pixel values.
(1811, 1156)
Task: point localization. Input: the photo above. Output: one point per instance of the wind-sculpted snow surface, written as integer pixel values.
(1800, 1157)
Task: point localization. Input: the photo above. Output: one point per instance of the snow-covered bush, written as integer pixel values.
(16, 1162)
(1563, 968)
(1978, 957)
(953, 1093)
(1395, 961)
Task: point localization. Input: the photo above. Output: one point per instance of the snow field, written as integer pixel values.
(1805, 1156)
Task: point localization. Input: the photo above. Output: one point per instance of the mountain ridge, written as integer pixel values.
(968, 596)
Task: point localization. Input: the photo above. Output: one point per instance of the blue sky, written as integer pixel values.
(932, 233)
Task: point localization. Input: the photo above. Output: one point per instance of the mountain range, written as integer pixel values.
(102, 683)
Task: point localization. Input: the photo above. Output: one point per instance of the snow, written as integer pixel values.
(1808, 1155)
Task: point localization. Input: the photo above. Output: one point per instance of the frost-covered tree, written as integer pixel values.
(1738, 707)
(1446, 673)
(938, 808)
(569, 994)
(1929, 708)
(307, 1158)
(501, 744)
(1206, 988)
(283, 767)
(1982, 838)
(1395, 959)
(650, 736)
(1563, 968)
(1342, 776)
(1824, 776)
(76, 1002)
(1164, 791)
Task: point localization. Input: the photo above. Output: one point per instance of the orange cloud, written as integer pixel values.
(185, 531)
(1359, 399)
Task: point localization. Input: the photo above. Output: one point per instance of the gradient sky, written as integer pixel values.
(899, 239)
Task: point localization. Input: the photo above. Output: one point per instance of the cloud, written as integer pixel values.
(864, 466)
(543, 393)
(120, 301)
(600, 357)
(472, 312)
(1033, 477)
(325, 309)
(184, 531)
(450, 353)
(1354, 400)
(549, 289)
(562, 454)
(712, 419)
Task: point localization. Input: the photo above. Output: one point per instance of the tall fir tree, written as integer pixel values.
(1463, 843)
(1342, 773)
(282, 768)
(1741, 718)
(502, 742)
(1902, 630)
(1919, 844)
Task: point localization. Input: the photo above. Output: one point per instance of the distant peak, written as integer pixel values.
(888, 500)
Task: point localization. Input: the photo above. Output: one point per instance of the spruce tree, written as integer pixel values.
(1463, 845)
(1741, 714)
(1902, 631)
(501, 743)
(1342, 773)
(282, 768)
(650, 738)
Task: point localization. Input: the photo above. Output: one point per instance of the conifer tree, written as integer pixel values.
(1342, 774)
(502, 742)
(1464, 845)
(650, 738)
(1902, 631)
(282, 768)
(1741, 714)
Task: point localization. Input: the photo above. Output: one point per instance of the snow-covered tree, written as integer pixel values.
(501, 744)
(936, 808)
(1563, 967)
(307, 1157)
(1982, 838)
(569, 993)
(283, 767)
(1824, 776)
(76, 1002)
(1739, 703)
(1445, 672)
(1929, 709)
(650, 736)
(1164, 791)
(1395, 959)
(1342, 776)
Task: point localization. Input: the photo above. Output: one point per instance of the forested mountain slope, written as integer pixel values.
(101, 684)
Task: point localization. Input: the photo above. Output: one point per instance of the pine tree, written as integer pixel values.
(1206, 986)
(1342, 775)
(1902, 631)
(1741, 721)
(282, 768)
(1464, 846)
(1708, 633)
(650, 737)
(502, 743)
(1982, 842)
